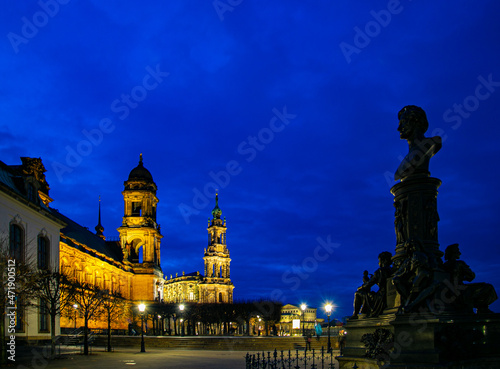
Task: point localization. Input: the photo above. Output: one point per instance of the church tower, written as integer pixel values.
(140, 234)
(216, 286)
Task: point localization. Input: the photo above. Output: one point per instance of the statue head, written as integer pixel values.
(412, 122)
(385, 259)
(452, 252)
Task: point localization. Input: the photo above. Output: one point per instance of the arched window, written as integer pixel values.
(16, 245)
(43, 253)
(220, 297)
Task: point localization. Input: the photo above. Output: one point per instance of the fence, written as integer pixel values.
(316, 359)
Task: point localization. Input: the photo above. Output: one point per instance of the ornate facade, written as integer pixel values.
(130, 265)
(306, 319)
(216, 285)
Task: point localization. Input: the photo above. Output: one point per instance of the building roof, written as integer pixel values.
(140, 173)
(82, 235)
(13, 182)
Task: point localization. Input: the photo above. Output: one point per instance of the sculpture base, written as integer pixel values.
(416, 217)
(422, 340)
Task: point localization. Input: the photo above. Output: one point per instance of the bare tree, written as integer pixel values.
(90, 298)
(54, 297)
(17, 286)
(113, 306)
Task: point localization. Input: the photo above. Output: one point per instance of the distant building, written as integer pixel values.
(129, 265)
(303, 320)
(216, 285)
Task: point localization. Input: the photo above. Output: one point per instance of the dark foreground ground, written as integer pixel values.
(123, 357)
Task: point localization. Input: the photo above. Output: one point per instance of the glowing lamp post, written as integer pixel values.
(328, 309)
(142, 308)
(181, 308)
(303, 307)
(75, 306)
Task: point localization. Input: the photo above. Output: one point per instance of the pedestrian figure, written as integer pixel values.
(308, 342)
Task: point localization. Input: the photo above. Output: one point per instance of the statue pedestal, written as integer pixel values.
(354, 351)
(422, 340)
(416, 215)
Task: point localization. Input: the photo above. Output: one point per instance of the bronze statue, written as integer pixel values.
(399, 223)
(412, 126)
(366, 276)
(414, 279)
(472, 295)
(373, 303)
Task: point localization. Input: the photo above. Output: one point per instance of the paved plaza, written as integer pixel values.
(33, 358)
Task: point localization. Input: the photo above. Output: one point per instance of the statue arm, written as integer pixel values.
(374, 280)
(467, 273)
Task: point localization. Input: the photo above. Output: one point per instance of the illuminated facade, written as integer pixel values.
(303, 320)
(216, 285)
(129, 265)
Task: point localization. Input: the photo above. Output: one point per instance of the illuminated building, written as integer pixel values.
(291, 314)
(130, 265)
(216, 285)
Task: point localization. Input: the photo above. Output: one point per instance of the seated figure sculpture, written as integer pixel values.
(470, 296)
(369, 302)
(412, 126)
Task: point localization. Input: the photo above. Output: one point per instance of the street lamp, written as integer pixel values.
(303, 307)
(328, 308)
(181, 308)
(75, 306)
(142, 307)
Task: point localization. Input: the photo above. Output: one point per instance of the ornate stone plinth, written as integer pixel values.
(416, 216)
(355, 351)
(423, 340)
(445, 341)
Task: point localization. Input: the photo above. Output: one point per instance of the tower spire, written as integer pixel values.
(99, 229)
(216, 212)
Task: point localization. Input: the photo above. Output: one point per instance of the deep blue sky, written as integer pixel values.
(297, 100)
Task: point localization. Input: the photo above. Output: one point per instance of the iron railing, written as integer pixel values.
(314, 359)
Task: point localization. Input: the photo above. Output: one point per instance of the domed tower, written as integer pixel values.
(140, 234)
(216, 286)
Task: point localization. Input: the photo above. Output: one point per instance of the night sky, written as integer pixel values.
(288, 108)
